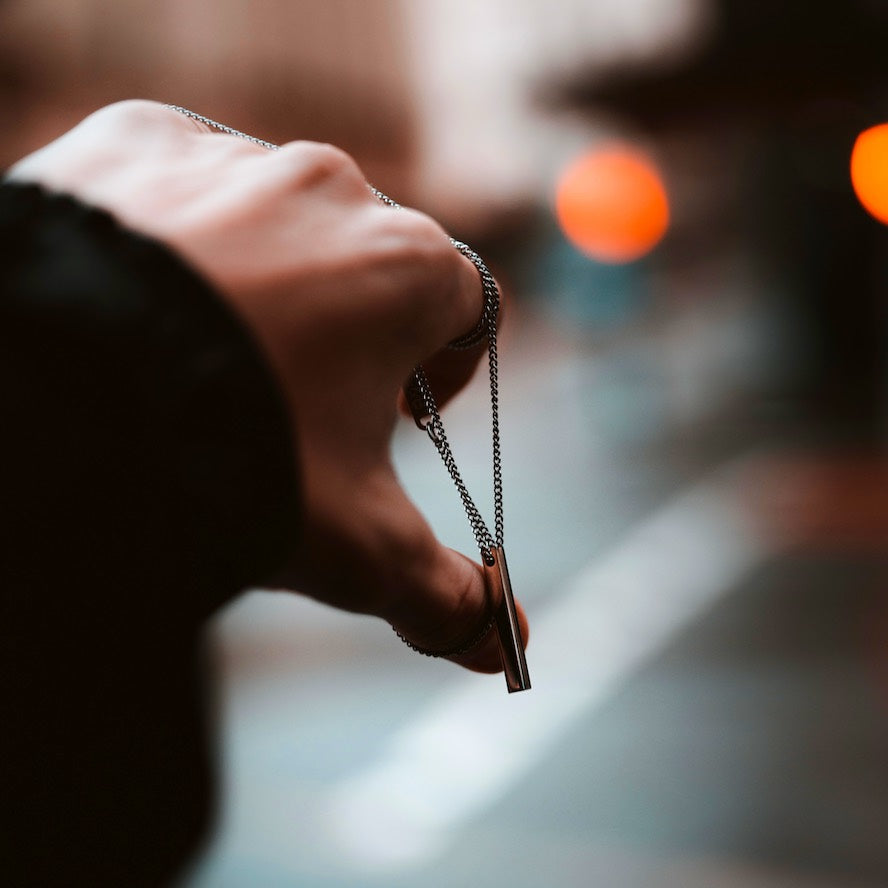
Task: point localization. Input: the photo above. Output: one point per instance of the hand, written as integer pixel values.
(345, 296)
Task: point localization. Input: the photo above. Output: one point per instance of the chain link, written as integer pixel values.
(435, 427)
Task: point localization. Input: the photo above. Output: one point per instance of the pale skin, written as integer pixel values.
(344, 296)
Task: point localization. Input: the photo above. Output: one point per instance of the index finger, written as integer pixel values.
(450, 369)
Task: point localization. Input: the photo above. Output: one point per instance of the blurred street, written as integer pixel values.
(708, 709)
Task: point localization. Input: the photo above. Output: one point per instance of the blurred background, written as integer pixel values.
(694, 433)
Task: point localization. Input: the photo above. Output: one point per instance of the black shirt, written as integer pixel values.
(147, 474)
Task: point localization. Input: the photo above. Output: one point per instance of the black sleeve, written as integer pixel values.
(147, 474)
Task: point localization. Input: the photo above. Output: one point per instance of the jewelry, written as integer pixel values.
(456, 650)
(428, 418)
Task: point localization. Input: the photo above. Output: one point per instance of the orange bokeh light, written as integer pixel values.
(869, 170)
(611, 204)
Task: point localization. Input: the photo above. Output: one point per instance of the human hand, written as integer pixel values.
(345, 296)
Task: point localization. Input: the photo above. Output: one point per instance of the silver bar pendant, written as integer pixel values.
(508, 630)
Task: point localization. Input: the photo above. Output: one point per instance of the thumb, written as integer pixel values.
(441, 604)
(454, 614)
(369, 549)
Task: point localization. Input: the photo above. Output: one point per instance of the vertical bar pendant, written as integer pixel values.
(507, 628)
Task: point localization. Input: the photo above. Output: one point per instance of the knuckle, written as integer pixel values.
(319, 162)
(131, 111)
(419, 257)
(424, 242)
(141, 118)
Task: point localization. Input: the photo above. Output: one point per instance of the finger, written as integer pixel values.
(442, 288)
(454, 609)
(442, 602)
(379, 556)
(452, 367)
(448, 373)
(450, 370)
(319, 163)
(436, 597)
(468, 302)
(486, 656)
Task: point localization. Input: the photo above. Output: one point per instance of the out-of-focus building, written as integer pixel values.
(328, 70)
(436, 98)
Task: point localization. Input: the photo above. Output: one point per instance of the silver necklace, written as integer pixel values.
(428, 418)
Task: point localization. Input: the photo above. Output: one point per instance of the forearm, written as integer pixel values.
(147, 474)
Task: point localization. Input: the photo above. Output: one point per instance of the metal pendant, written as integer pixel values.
(508, 630)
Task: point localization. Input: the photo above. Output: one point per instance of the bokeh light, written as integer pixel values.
(869, 170)
(611, 204)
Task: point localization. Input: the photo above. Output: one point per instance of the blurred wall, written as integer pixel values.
(437, 99)
(330, 70)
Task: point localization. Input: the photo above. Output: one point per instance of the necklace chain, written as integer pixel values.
(434, 425)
